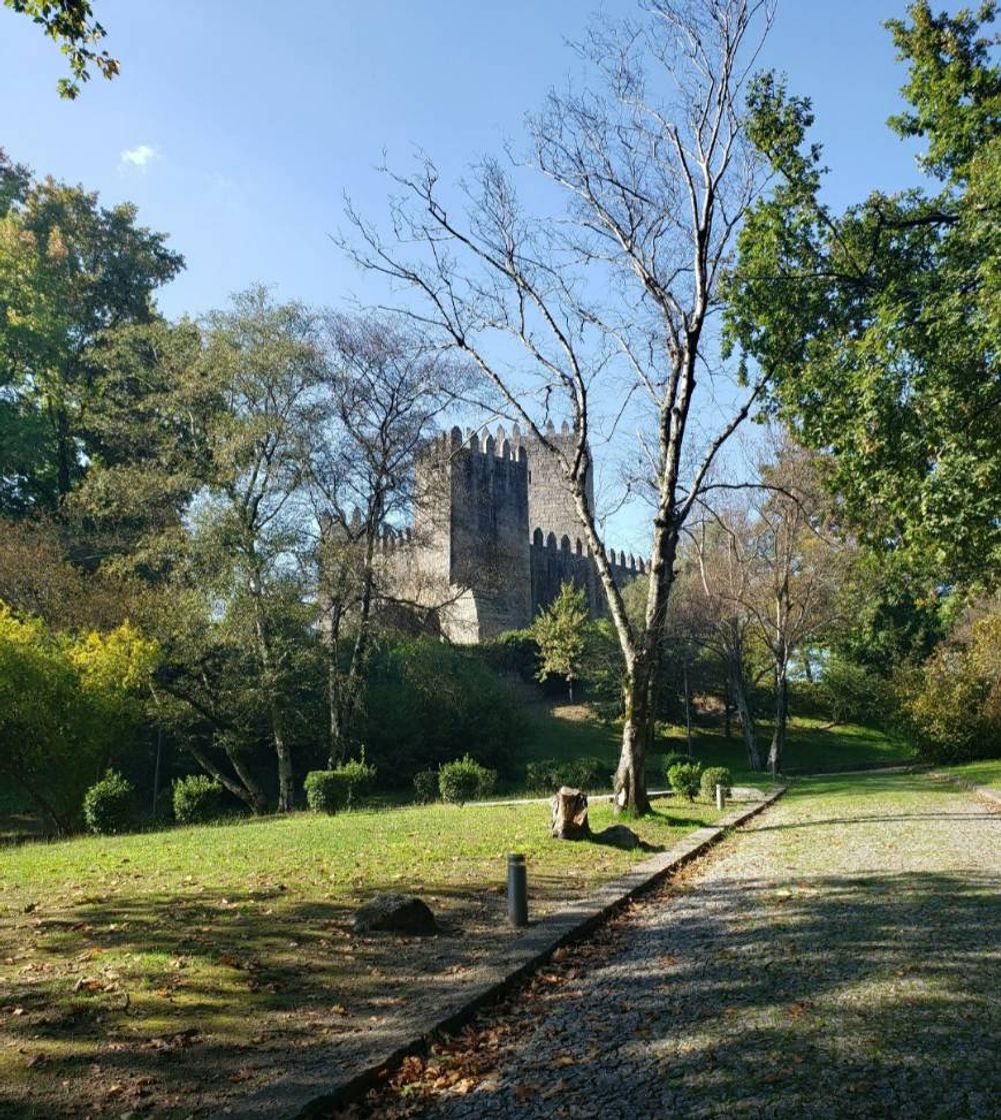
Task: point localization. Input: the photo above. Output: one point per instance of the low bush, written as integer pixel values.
(712, 777)
(674, 758)
(426, 786)
(685, 778)
(109, 806)
(588, 774)
(197, 799)
(330, 791)
(465, 779)
(326, 791)
(544, 775)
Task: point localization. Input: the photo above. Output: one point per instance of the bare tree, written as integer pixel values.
(801, 565)
(608, 301)
(383, 390)
(723, 543)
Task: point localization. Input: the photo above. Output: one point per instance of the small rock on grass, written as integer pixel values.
(396, 913)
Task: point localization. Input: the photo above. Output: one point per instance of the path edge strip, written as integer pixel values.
(988, 793)
(532, 950)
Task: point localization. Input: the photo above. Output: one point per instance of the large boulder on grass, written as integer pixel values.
(396, 913)
(619, 836)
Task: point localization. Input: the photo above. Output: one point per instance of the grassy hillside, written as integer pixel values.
(565, 733)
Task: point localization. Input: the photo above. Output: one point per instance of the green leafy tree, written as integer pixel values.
(68, 707)
(561, 632)
(71, 24)
(878, 326)
(70, 272)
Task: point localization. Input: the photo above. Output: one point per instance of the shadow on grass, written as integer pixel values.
(170, 1004)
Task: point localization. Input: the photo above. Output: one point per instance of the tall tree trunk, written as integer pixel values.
(777, 748)
(630, 776)
(246, 795)
(738, 690)
(727, 711)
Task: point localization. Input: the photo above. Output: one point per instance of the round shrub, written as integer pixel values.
(674, 758)
(326, 791)
(684, 778)
(109, 806)
(462, 780)
(330, 791)
(197, 799)
(712, 777)
(426, 786)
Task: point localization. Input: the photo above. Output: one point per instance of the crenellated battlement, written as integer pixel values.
(496, 522)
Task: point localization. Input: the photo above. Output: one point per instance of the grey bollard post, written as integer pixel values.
(720, 796)
(517, 890)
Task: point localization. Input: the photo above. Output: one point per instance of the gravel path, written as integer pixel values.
(839, 958)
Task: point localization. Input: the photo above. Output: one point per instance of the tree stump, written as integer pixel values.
(570, 815)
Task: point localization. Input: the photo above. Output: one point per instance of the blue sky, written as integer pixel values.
(238, 126)
(260, 117)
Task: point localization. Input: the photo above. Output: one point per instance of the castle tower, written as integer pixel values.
(550, 503)
(477, 526)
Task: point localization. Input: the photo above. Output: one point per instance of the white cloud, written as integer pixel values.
(139, 158)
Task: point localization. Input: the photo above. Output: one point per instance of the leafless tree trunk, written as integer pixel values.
(609, 305)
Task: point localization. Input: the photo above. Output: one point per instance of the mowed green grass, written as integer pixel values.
(986, 772)
(174, 968)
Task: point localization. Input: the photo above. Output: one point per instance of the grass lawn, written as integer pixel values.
(986, 772)
(565, 733)
(170, 971)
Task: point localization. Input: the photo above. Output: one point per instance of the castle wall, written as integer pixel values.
(495, 536)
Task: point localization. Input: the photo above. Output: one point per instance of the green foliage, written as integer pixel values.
(561, 633)
(330, 791)
(426, 702)
(71, 274)
(878, 326)
(197, 799)
(326, 790)
(514, 651)
(685, 779)
(426, 786)
(853, 693)
(712, 777)
(109, 806)
(71, 24)
(546, 775)
(67, 706)
(674, 758)
(465, 779)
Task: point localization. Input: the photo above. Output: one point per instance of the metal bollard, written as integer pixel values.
(517, 890)
(720, 796)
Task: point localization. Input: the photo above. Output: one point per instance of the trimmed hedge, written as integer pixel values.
(465, 779)
(197, 799)
(330, 791)
(426, 786)
(109, 806)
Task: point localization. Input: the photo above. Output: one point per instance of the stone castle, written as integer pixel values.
(495, 535)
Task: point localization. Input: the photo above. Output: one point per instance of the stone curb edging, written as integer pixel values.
(986, 792)
(314, 1087)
